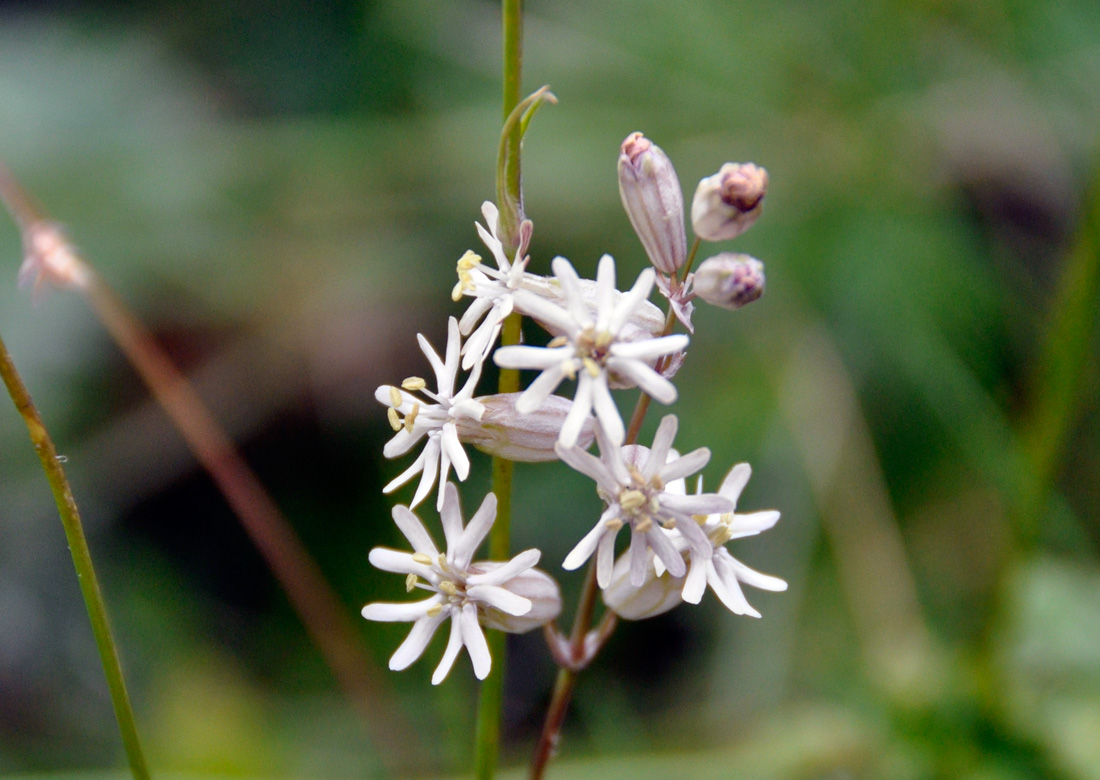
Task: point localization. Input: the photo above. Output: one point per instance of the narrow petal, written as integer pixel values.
(398, 562)
(649, 349)
(438, 367)
(589, 465)
(521, 356)
(662, 443)
(431, 468)
(475, 533)
(475, 642)
(606, 410)
(654, 385)
(753, 523)
(696, 583)
(735, 482)
(537, 308)
(454, 644)
(578, 412)
(700, 504)
(474, 312)
(605, 293)
(753, 577)
(630, 301)
(585, 547)
(413, 646)
(571, 289)
(403, 441)
(605, 558)
(450, 364)
(453, 448)
(500, 575)
(664, 549)
(418, 536)
(639, 558)
(725, 586)
(416, 467)
(451, 515)
(385, 612)
(500, 598)
(538, 391)
(685, 465)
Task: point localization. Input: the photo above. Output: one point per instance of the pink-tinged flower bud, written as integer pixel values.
(727, 204)
(730, 280)
(533, 584)
(653, 597)
(525, 438)
(654, 201)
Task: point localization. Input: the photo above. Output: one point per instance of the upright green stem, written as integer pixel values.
(510, 203)
(82, 560)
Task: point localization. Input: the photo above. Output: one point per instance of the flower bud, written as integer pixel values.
(653, 597)
(730, 280)
(654, 201)
(525, 438)
(533, 584)
(727, 204)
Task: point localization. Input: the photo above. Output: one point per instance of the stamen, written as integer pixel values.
(448, 587)
(630, 500)
(656, 482)
(395, 396)
(422, 558)
(410, 582)
(414, 384)
(469, 260)
(434, 611)
(669, 523)
(592, 367)
(410, 418)
(614, 524)
(654, 504)
(603, 339)
(569, 368)
(644, 525)
(394, 418)
(456, 291)
(558, 341)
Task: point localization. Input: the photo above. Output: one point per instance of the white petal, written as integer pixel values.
(475, 642)
(550, 314)
(606, 411)
(431, 468)
(648, 349)
(578, 412)
(538, 391)
(403, 441)
(416, 467)
(605, 559)
(735, 482)
(664, 549)
(701, 504)
(630, 301)
(685, 465)
(639, 558)
(655, 385)
(385, 612)
(585, 547)
(414, 531)
(501, 574)
(414, 644)
(753, 577)
(696, 583)
(473, 313)
(605, 293)
(454, 644)
(475, 533)
(453, 447)
(500, 598)
(398, 562)
(753, 523)
(589, 465)
(571, 289)
(520, 356)
(662, 444)
(438, 367)
(450, 515)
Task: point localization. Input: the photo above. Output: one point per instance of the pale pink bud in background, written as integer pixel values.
(727, 204)
(654, 201)
(730, 280)
(533, 584)
(525, 438)
(653, 597)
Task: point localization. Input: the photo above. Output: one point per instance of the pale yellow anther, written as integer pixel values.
(410, 418)
(414, 384)
(670, 523)
(656, 482)
(394, 418)
(410, 582)
(700, 519)
(603, 339)
(592, 367)
(456, 291)
(614, 524)
(569, 368)
(654, 504)
(422, 558)
(395, 396)
(558, 341)
(643, 525)
(443, 562)
(448, 587)
(630, 500)
(468, 261)
(434, 611)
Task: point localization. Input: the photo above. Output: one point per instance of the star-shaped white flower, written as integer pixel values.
(644, 488)
(590, 348)
(716, 567)
(414, 418)
(492, 289)
(463, 591)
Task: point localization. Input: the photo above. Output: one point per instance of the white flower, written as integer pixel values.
(716, 567)
(492, 289)
(589, 349)
(463, 591)
(414, 418)
(643, 488)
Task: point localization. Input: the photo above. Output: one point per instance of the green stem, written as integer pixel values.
(82, 560)
(510, 203)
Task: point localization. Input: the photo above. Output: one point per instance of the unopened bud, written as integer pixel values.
(525, 438)
(730, 280)
(535, 585)
(653, 597)
(654, 201)
(727, 204)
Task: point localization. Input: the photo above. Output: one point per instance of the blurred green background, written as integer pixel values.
(281, 190)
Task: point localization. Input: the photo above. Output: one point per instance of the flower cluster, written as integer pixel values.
(602, 340)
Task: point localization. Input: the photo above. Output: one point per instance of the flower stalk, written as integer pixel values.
(82, 562)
